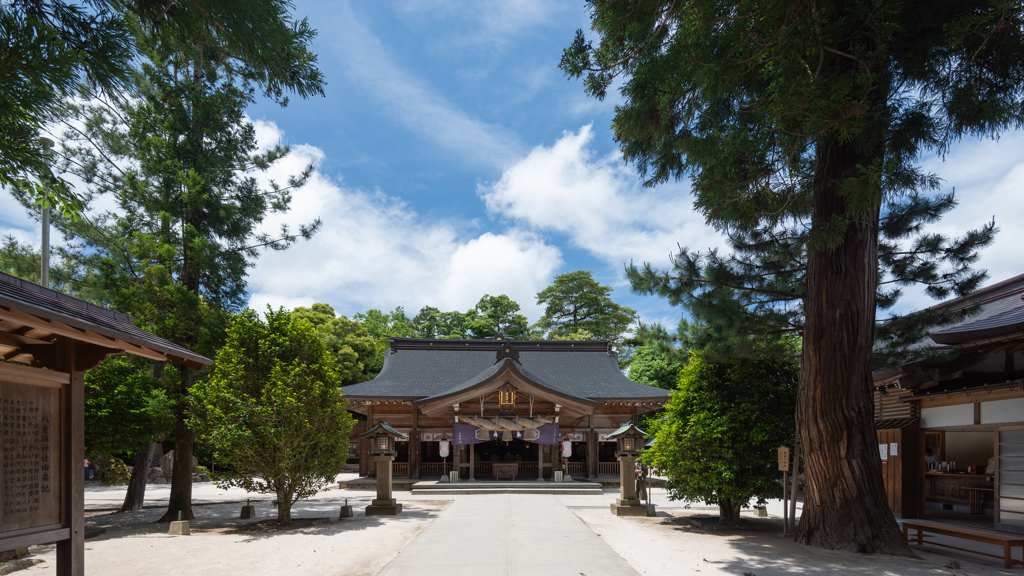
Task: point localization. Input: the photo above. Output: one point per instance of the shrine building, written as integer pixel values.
(500, 401)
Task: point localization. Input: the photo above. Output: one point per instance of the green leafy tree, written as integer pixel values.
(126, 412)
(48, 47)
(382, 326)
(497, 315)
(45, 49)
(273, 409)
(180, 161)
(347, 340)
(652, 367)
(801, 126)
(717, 439)
(431, 322)
(575, 302)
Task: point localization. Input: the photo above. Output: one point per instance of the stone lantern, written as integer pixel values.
(630, 441)
(382, 447)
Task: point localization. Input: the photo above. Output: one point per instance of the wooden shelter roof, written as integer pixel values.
(426, 370)
(31, 318)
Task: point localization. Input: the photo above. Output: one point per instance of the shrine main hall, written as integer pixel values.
(500, 401)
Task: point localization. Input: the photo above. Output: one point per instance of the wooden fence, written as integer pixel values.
(399, 468)
(434, 468)
(608, 468)
(577, 468)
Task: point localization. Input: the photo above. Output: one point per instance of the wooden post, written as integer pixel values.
(415, 445)
(472, 462)
(540, 462)
(592, 454)
(457, 460)
(71, 552)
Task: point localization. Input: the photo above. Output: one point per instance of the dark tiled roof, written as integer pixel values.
(417, 368)
(997, 318)
(51, 305)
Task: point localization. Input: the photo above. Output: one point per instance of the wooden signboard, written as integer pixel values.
(783, 458)
(31, 420)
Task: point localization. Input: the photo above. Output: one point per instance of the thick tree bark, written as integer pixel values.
(181, 475)
(845, 505)
(728, 512)
(136, 495)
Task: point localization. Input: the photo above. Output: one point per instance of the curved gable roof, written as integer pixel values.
(419, 369)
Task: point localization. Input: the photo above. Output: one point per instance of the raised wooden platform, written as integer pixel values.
(1007, 541)
(518, 487)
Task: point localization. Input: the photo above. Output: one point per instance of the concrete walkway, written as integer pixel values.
(508, 535)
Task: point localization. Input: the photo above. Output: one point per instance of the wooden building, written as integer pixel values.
(47, 342)
(968, 411)
(506, 390)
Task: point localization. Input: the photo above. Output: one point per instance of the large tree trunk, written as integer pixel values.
(728, 512)
(136, 495)
(845, 504)
(181, 475)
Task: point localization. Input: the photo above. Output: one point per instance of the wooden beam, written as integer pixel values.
(28, 375)
(78, 334)
(17, 341)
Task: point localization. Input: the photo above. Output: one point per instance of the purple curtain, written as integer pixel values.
(548, 434)
(465, 434)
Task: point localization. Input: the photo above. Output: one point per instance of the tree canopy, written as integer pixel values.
(349, 343)
(576, 302)
(653, 367)
(273, 409)
(717, 439)
(800, 127)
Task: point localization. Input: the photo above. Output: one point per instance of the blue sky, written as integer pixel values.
(454, 159)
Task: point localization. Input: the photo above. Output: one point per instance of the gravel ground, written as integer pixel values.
(681, 541)
(222, 544)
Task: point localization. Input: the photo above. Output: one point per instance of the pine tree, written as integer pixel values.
(180, 161)
(800, 126)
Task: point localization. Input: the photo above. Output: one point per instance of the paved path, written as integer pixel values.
(508, 535)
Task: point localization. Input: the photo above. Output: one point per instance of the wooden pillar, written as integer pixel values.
(71, 552)
(457, 460)
(414, 448)
(366, 466)
(592, 454)
(472, 462)
(540, 462)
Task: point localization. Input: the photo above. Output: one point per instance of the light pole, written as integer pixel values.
(44, 269)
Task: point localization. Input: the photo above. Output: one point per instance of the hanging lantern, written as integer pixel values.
(443, 445)
(507, 397)
(567, 448)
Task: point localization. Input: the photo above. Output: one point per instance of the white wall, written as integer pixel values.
(1002, 411)
(959, 415)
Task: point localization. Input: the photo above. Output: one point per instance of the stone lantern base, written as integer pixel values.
(384, 508)
(628, 507)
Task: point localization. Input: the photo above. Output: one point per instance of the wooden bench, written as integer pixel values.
(1007, 541)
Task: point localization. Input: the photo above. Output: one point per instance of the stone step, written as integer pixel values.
(492, 487)
(517, 490)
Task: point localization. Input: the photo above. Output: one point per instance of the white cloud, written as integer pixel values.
(988, 176)
(373, 251)
(415, 103)
(488, 23)
(598, 203)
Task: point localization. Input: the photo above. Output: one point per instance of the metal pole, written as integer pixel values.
(44, 272)
(796, 477)
(785, 504)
